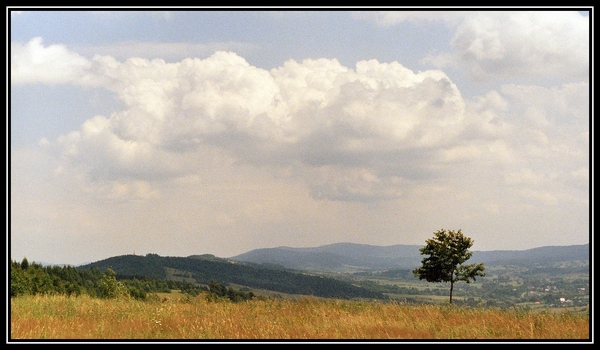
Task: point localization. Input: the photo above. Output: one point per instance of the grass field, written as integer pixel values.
(172, 317)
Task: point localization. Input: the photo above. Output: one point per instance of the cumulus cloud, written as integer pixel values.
(54, 64)
(366, 133)
(499, 44)
(534, 44)
(316, 113)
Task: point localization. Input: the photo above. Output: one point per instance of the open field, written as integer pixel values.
(178, 318)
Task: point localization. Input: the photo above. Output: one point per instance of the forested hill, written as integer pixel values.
(203, 269)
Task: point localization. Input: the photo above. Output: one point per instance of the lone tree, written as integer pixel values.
(447, 251)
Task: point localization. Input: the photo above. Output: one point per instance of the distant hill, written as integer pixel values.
(337, 257)
(540, 256)
(204, 268)
(299, 270)
(351, 257)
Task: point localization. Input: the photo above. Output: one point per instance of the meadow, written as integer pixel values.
(59, 317)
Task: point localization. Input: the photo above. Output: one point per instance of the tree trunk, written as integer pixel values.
(451, 288)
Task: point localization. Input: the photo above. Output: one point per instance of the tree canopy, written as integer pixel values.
(447, 251)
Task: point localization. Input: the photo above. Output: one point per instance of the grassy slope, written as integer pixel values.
(84, 318)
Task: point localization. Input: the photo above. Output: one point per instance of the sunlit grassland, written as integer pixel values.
(86, 318)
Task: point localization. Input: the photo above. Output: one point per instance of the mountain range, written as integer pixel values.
(300, 270)
(351, 257)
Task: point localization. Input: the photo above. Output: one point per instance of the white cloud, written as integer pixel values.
(353, 184)
(126, 190)
(312, 113)
(373, 132)
(535, 44)
(54, 64)
(486, 117)
(526, 176)
(545, 197)
(505, 44)
(566, 104)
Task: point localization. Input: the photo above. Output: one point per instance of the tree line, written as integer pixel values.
(36, 279)
(254, 276)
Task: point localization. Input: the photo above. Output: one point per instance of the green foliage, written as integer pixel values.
(253, 276)
(18, 282)
(447, 251)
(32, 278)
(24, 264)
(110, 288)
(132, 265)
(218, 291)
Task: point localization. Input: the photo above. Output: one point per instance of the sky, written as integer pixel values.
(200, 131)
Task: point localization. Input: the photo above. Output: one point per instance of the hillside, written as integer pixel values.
(536, 256)
(205, 268)
(350, 257)
(337, 257)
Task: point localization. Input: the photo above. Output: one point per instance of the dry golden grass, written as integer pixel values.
(85, 318)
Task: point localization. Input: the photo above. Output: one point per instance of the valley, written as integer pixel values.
(547, 278)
